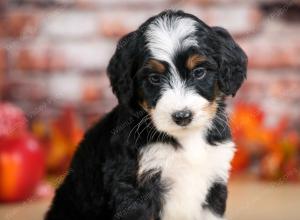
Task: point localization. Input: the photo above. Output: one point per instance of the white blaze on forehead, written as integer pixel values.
(166, 35)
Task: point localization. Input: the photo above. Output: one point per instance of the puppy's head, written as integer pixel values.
(177, 68)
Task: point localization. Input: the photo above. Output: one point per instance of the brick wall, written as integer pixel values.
(58, 49)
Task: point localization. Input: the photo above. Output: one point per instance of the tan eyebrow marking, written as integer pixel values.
(194, 60)
(156, 66)
(145, 105)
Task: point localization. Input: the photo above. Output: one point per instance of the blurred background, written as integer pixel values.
(53, 86)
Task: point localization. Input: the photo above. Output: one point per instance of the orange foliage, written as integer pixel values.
(277, 148)
(60, 140)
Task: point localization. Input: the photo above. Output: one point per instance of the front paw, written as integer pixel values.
(134, 211)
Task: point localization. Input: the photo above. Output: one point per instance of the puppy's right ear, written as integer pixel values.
(120, 69)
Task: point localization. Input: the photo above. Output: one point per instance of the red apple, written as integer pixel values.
(22, 166)
(12, 120)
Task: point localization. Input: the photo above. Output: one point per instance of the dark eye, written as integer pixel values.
(154, 79)
(199, 73)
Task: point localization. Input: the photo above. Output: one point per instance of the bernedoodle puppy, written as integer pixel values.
(164, 152)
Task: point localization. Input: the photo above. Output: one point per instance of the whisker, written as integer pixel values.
(139, 133)
(135, 127)
(137, 130)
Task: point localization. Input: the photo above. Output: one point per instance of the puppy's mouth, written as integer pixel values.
(184, 121)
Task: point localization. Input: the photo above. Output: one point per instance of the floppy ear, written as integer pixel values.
(232, 63)
(120, 69)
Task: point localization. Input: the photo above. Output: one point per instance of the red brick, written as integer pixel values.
(237, 2)
(21, 87)
(3, 4)
(21, 24)
(272, 51)
(28, 60)
(1, 84)
(48, 3)
(3, 59)
(100, 3)
(66, 86)
(93, 87)
(239, 20)
(87, 55)
(114, 28)
(128, 3)
(3, 67)
(39, 59)
(71, 24)
(121, 21)
(284, 86)
(276, 91)
(2, 28)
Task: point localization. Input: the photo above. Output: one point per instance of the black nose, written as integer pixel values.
(183, 117)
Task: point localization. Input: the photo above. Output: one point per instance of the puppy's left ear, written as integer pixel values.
(232, 63)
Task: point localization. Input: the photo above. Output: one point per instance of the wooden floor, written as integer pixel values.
(263, 201)
(248, 200)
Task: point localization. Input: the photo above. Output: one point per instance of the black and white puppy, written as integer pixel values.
(164, 152)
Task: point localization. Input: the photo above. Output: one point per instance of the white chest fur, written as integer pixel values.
(189, 172)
